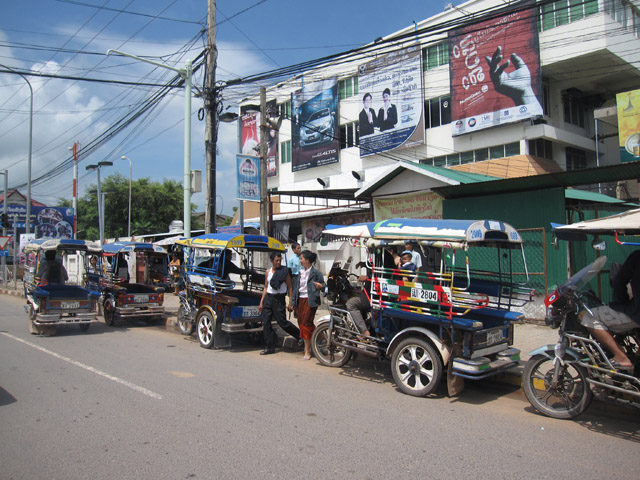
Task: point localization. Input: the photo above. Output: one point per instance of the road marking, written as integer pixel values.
(113, 378)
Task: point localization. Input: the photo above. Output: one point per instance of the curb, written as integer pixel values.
(13, 293)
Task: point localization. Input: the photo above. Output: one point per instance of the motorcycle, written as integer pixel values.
(560, 381)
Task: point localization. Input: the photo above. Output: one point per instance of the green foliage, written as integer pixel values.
(154, 205)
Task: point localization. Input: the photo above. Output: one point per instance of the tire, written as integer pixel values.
(416, 367)
(109, 312)
(33, 328)
(84, 327)
(567, 400)
(185, 324)
(206, 328)
(328, 355)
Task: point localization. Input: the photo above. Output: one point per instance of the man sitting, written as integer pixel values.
(52, 269)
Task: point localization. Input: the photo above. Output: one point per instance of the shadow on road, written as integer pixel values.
(6, 398)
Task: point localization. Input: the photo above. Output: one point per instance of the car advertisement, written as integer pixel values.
(391, 94)
(315, 125)
(248, 175)
(495, 72)
(628, 104)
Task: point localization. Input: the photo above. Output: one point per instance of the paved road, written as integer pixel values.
(146, 402)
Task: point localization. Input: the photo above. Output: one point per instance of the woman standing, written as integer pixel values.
(307, 288)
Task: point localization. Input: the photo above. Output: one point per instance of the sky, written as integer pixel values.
(70, 38)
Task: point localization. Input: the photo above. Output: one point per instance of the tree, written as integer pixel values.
(154, 205)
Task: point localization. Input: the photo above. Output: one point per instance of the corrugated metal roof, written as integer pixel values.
(587, 196)
(589, 176)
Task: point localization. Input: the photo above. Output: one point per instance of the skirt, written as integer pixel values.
(306, 316)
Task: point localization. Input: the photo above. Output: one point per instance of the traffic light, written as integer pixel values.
(4, 220)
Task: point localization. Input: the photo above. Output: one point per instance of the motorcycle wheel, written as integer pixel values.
(567, 400)
(327, 354)
(416, 367)
(109, 312)
(206, 326)
(185, 324)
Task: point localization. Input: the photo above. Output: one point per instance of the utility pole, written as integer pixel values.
(75, 188)
(264, 230)
(211, 126)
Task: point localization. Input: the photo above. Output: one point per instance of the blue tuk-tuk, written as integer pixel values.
(452, 315)
(133, 282)
(57, 287)
(223, 286)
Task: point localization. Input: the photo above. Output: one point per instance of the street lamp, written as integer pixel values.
(100, 211)
(124, 157)
(185, 73)
(28, 220)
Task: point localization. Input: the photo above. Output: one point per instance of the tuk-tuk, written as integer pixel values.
(223, 286)
(57, 289)
(133, 281)
(452, 315)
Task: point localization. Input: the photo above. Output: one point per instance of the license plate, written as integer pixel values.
(250, 312)
(141, 298)
(424, 295)
(494, 337)
(70, 305)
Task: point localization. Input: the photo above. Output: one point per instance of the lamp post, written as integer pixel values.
(4, 227)
(124, 157)
(100, 211)
(28, 219)
(185, 73)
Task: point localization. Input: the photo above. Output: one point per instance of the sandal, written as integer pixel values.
(307, 357)
(617, 366)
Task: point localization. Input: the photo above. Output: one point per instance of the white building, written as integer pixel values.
(588, 51)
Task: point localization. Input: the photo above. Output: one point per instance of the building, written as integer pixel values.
(451, 111)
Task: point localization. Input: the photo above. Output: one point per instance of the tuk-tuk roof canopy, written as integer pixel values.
(118, 247)
(62, 244)
(233, 240)
(469, 231)
(625, 223)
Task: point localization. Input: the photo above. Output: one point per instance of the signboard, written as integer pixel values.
(251, 137)
(413, 205)
(315, 125)
(47, 222)
(248, 177)
(4, 239)
(628, 104)
(229, 229)
(392, 107)
(495, 72)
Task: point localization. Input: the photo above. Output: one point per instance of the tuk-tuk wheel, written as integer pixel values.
(416, 367)
(109, 312)
(206, 328)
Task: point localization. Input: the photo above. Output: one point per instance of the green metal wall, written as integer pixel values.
(524, 210)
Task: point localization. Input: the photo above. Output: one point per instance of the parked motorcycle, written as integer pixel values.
(560, 381)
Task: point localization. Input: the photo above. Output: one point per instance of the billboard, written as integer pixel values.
(315, 125)
(495, 74)
(629, 125)
(46, 222)
(248, 177)
(392, 106)
(412, 205)
(251, 137)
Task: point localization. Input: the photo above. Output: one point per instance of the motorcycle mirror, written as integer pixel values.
(599, 245)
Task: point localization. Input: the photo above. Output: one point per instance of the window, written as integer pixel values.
(512, 149)
(437, 111)
(561, 12)
(435, 55)
(349, 135)
(541, 147)
(479, 155)
(285, 152)
(285, 109)
(576, 159)
(545, 97)
(347, 87)
(573, 109)
(624, 13)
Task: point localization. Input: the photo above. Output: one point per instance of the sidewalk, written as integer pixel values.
(527, 336)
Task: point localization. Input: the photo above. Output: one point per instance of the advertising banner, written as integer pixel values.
(495, 72)
(315, 125)
(414, 205)
(248, 175)
(251, 137)
(46, 222)
(392, 105)
(629, 125)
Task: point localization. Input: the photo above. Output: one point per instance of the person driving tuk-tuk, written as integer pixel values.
(52, 270)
